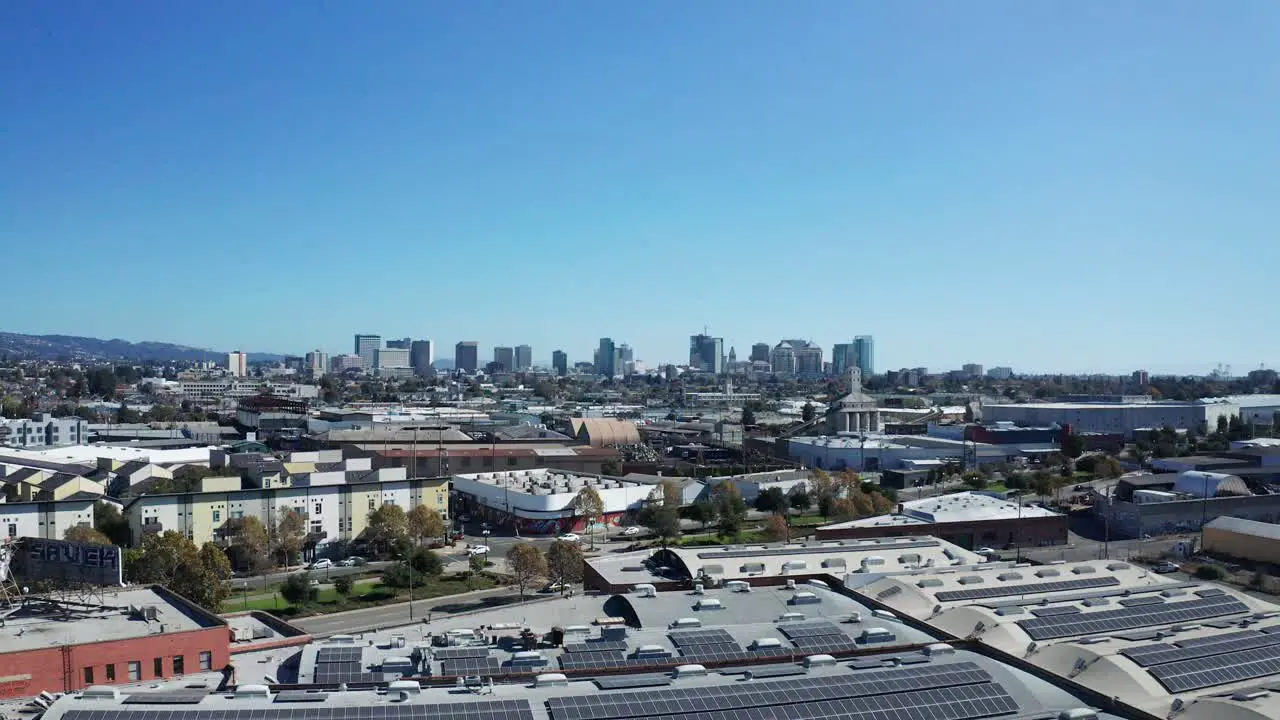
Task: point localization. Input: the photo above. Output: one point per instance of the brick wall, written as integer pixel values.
(62, 669)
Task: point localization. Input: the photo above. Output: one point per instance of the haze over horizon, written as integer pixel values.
(1052, 187)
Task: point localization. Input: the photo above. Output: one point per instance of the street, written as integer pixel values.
(399, 614)
(261, 582)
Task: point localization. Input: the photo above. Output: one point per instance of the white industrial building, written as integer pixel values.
(541, 501)
(873, 452)
(48, 520)
(1123, 417)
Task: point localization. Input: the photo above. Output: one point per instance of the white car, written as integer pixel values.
(478, 550)
(631, 531)
(321, 564)
(570, 537)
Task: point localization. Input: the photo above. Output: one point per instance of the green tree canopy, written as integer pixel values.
(424, 523)
(564, 562)
(388, 526)
(199, 574)
(526, 565)
(85, 534)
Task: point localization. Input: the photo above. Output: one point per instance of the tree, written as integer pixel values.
(730, 508)
(564, 562)
(424, 564)
(1043, 483)
(776, 528)
(702, 512)
(748, 416)
(1072, 445)
(773, 500)
(475, 565)
(1107, 467)
(199, 574)
(526, 565)
(671, 495)
(424, 524)
(108, 519)
(291, 533)
(807, 412)
(343, 585)
(974, 480)
(798, 498)
(249, 548)
(297, 589)
(387, 526)
(661, 520)
(588, 505)
(824, 489)
(85, 534)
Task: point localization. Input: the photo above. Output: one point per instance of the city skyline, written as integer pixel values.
(1002, 183)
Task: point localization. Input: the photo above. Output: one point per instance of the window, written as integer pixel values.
(135, 670)
(159, 667)
(318, 508)
(371, 507)
(206, 660)
(111, 672)
(13, 530)
(88, 675)
(217, 516)
(315, 526)
(178, 668)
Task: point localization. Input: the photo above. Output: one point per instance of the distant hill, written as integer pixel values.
(53, 347)
(443, 363)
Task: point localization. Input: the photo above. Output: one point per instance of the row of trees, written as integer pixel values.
(562, 563)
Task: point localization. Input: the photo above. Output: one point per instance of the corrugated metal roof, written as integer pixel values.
(1246, 527)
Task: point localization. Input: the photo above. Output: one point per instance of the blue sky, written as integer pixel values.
(1051, 185)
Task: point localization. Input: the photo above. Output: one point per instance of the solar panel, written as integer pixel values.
(1104, 621)
(632, 681)
(718, 652)
(1215, 639)
(1140, 601)
(1051, 611)
(828, 644)
(771, 671)
(1218, 669)
(492, 710)
(350, 678)
(602, 661)
(290, 696)
(700, 637)
(471, 666)
(1025, 588)
(1210, 592)
(339, 654)
(807, 629)
(696, 702)
(596, 645)
(1160, 654)
(816, 550)
(457, 653)
(165, 698)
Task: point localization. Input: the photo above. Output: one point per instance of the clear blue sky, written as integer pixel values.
(1049, 185)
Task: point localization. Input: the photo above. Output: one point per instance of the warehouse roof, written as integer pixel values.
(956, 507)
(1111, 627)
(45, 623)
(1254, 528)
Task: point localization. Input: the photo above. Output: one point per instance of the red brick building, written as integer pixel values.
(136, 635)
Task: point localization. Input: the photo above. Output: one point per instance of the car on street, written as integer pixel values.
(464, 518)
(631, 531)
(321, 564)
(353, 561)
(1165, 567)
(570, 537)
(554, 587)
(478, 550)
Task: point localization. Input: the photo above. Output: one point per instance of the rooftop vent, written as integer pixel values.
(682, 623)
(738, 586)
(708, 604)
(938, 649)
(100, 692)
(646, 590)
(764, 643)
(1047, 572)
(929, 582)
(819, 661)
(1084, 570)
(791, 617)
(550, 680)
(409, 687)
(1006, 577)
(690, 671)
(804, 597)
(253, 691)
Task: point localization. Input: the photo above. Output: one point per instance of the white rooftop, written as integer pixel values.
(89, 454)
(957, 507)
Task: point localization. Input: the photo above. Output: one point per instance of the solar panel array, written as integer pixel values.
(599, 660)
(493, 710)
(336, 665)
(350, 677)
(1051, 611)
(633, 681)
(948, 692)
(1204, 662)
(596, 645)
(471, 666)
(457, 653)
(1058, 626)
(769, 671)
(293, 696)
(339, 654)
(166, 698)
(817, 637)
(1026, 588)
(700, 637)
(795, 630)
(817, 550)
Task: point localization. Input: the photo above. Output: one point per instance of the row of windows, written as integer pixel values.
(134, 668)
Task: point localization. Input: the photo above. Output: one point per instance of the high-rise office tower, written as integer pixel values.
(317, 363)
(367, 348)
(843, 357)
(402, 344)
(560, 361)
(808, 359)
(864, 346)
(706, 354)
(393, 362)
(607, 358)
(466, 355)
(421, 356)
(760, 352)
(506, 357)
(524, 357)
(237, 364)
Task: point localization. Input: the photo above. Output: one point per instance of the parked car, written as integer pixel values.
(631, 531)
(321, 564)
(1165, 567)
(554, 587)
(570, 537)
(478, 550)
(464, 518)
